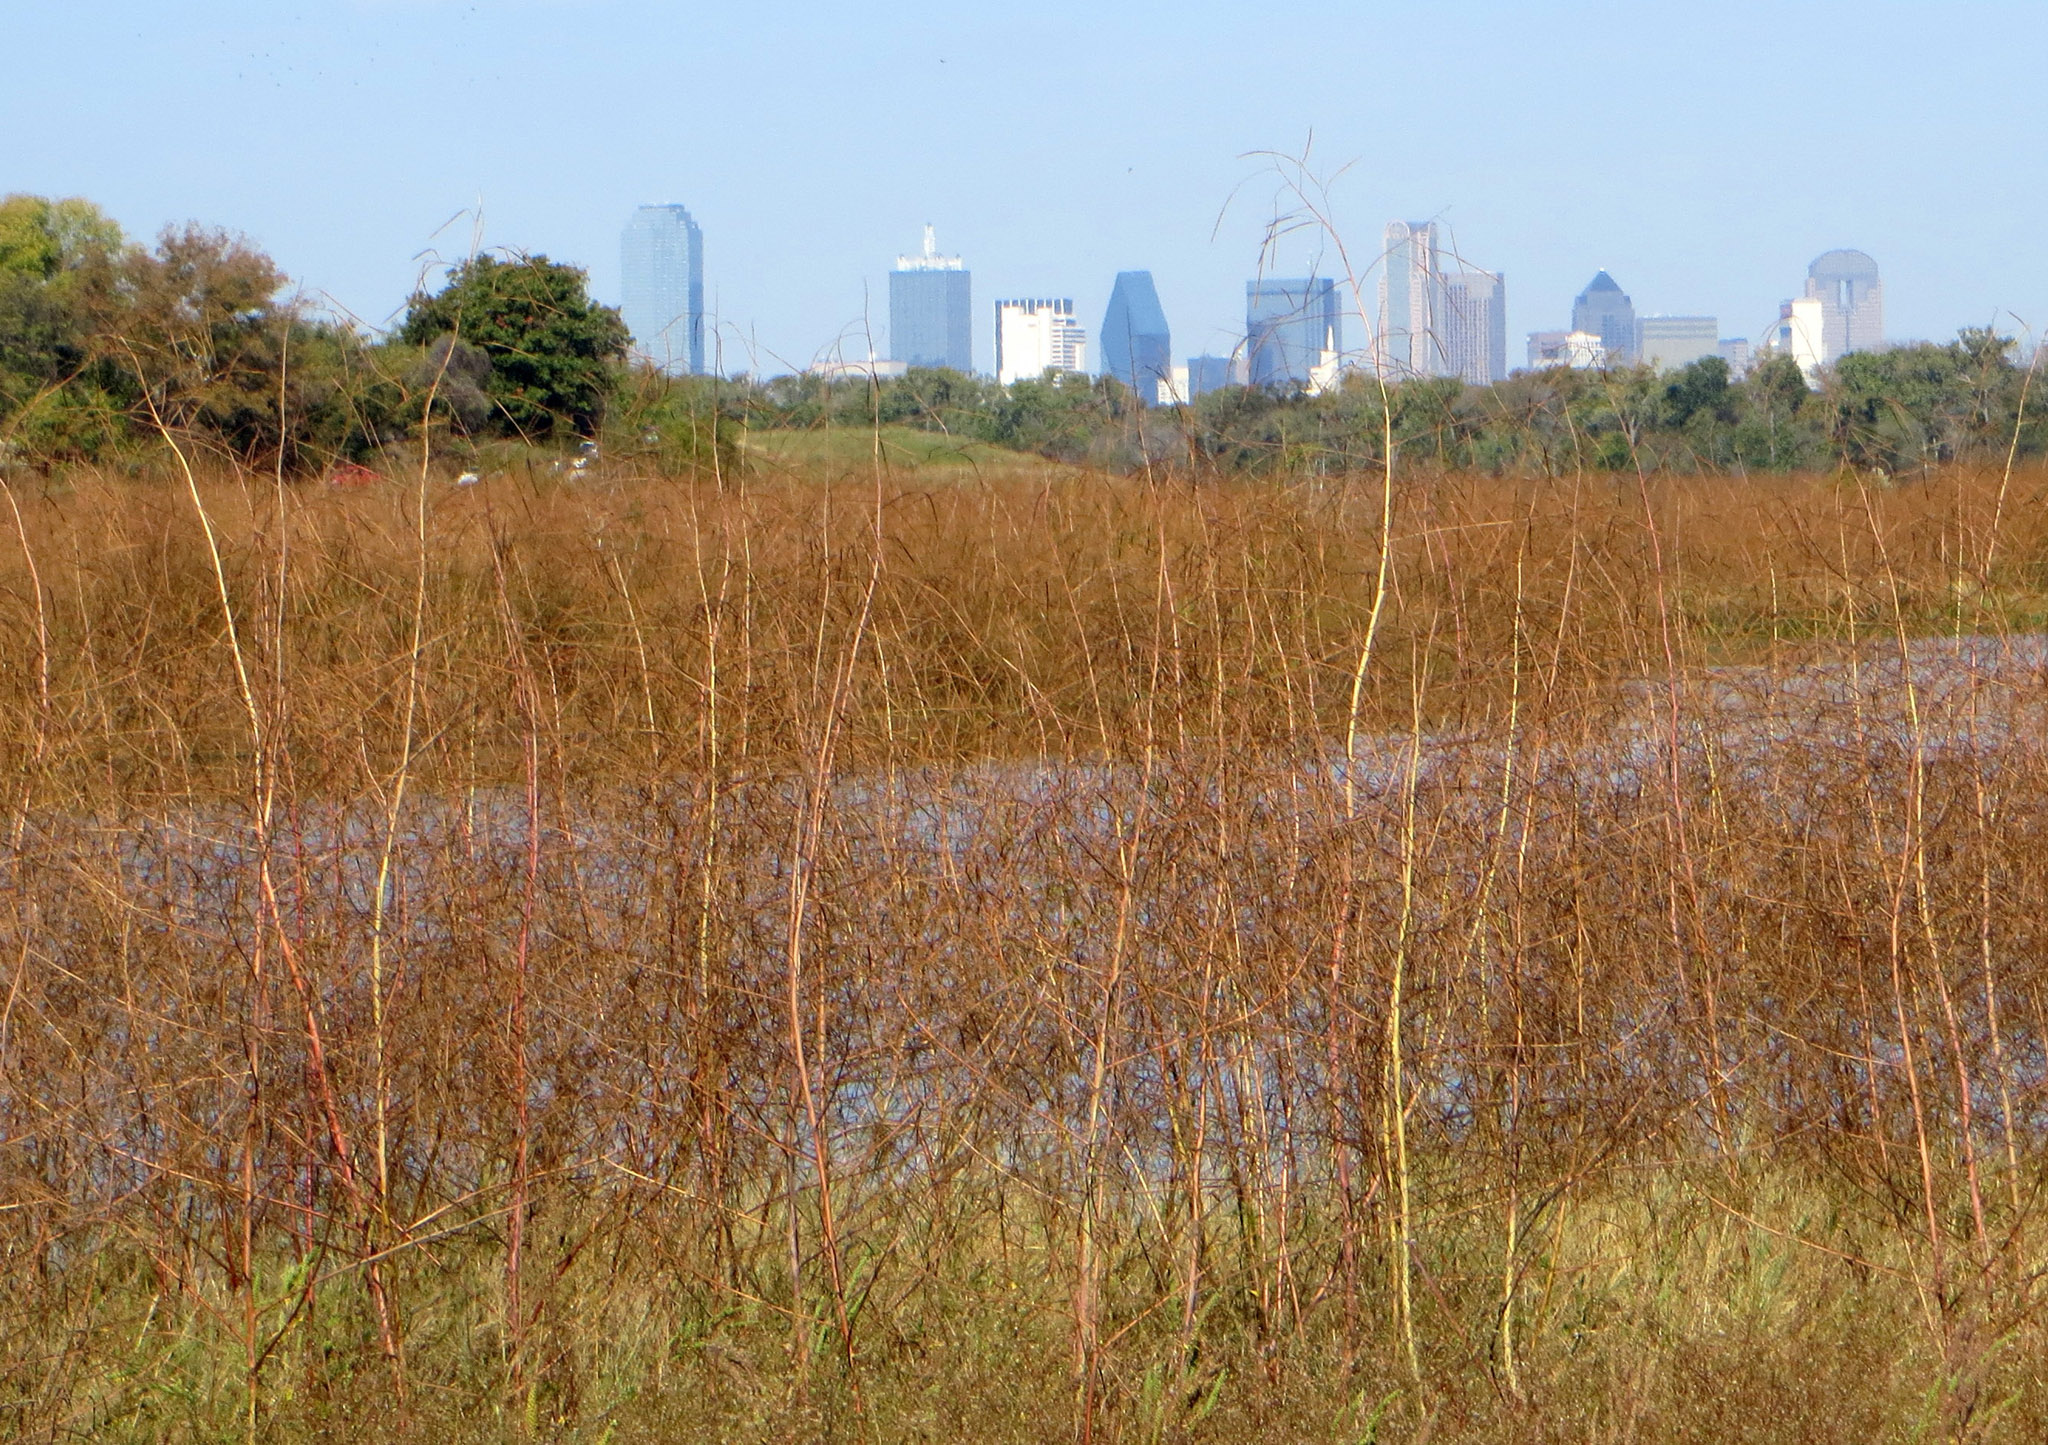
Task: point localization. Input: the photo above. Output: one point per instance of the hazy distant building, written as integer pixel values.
(1036, 336)
(1802, 335)
(1137, 348)
(1851, 297)
(872, 369)
(1210, 373)
(661, 272)
(1669, 342)
(1604, 309)
(1543, 348)
(1580, 350)
(1735, 351)
(931, 309)
(1288, 325)
(1410, 339)
(1473, 319)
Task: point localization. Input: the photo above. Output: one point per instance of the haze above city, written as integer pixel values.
(1702, 157)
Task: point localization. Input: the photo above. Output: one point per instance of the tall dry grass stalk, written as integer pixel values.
(798, 958)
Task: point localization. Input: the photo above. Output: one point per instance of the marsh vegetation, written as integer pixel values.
(991, 953)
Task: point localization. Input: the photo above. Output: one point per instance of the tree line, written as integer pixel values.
(1897, 412)
(109, 346)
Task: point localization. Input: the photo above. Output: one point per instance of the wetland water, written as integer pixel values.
(1789, 732)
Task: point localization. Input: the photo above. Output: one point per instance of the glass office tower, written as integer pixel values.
(1137, 348)
(661, 268)
(931, 309)
(1288, 325)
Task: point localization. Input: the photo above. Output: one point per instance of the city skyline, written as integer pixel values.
(353, 198)
(1430, 322)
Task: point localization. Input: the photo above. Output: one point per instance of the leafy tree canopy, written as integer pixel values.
(41, 238)
(553, 351)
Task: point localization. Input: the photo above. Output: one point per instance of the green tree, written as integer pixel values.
(1774, 432)
(43, 239)
(57, 276)
(554, 352)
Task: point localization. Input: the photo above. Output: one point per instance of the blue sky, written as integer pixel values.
(1703, 153)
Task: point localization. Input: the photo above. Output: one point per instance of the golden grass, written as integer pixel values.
(982, 955)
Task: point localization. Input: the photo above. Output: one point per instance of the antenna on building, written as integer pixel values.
(931, 241)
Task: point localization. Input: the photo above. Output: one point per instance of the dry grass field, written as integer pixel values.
(1020, 955)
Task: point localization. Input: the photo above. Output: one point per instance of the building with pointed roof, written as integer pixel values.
(1604, 310)
(1137, 347)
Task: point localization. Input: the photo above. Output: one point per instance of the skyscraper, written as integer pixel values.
(661, 271)
(1851, 303)
(1604, 310)
(1411, 340)
(1434, 322)
(1802, 335)
(1474, 324)
(1137, 348)
(1288, 325)
(1036, 336)
(931, 309)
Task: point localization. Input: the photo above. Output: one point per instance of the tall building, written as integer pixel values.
(1669, 342)
(1434, 322)
(931, 309)
(1288, 325)
(1473, 320)
(1209, 373)
(661, 269)
(1851, 298)
(1603, 309)
(1036, 336)
(1137, 348)
(1410, 339)
(1802, 335)
(1419, 332)
(1735, 351)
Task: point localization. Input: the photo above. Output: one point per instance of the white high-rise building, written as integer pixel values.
(1408, 341)
(1434, 322)
(1038, 335)
(1802, 335)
